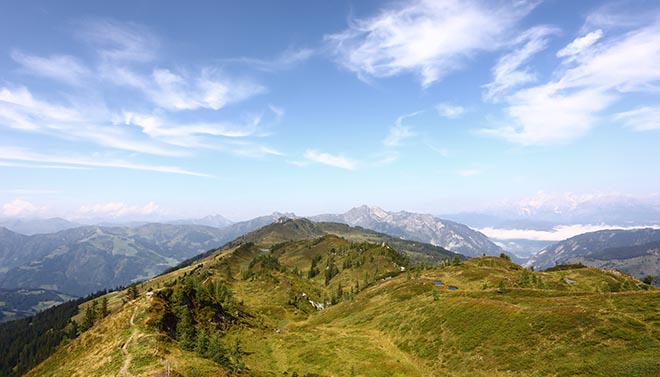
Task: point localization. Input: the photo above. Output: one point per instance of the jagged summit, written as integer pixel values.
(419, 227)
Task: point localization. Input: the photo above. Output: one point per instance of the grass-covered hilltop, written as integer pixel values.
(298, 298)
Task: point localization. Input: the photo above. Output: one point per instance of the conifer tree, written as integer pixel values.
(90, 316)
(104, 311)
(133, 292)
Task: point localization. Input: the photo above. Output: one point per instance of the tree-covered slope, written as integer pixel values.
(18, 303)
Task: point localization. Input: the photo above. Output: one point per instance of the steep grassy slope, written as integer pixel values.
(263, 309)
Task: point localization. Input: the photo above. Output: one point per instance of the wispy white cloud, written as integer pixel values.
(64, 68)
(580, 44)
(178, 91)
(118, 209)
(128, 50)
(507, 73)
(174, 92)
(20, 110)
(122, 42)
(128, 60)
(18, 154)
(237, 139)
(22, 208)
(641, 119)
(12, 164)
(337, 161)
(288, 59)
(595, 72)
(386, 158)
(449, 111)
(153, 134)
(442, 151)
(399, 132)
(429, 38)
(543, 115)
(619, 15)
(247, 148)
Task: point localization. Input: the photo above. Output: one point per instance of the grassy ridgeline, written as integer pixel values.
(252, 309)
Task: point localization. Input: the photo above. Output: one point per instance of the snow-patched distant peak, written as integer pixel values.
(366, 213)
(418, 227)
(277, 215)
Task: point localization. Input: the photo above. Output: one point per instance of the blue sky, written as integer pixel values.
(147, 109)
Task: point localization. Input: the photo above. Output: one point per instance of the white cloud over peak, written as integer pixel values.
(428, 38)
(337, 161)
(558, 233)
(22, 208)
(118, 209)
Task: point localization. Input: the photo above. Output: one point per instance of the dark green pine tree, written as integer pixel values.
(133, 292)
(185, 330)
(104, 311)
(90, 316)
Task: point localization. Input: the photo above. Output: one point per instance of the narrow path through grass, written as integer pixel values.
(124, 349)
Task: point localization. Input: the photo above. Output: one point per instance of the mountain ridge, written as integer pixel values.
(419, 227)
(598, 249)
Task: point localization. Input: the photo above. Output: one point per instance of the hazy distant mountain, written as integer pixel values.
(216, 221)
(418, 227)
(37, 226)
(632, 251)
(85, 259)
(545, 211)
(522, 248)
(243, 227)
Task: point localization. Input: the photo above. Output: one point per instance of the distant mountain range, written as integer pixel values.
(216, 221)
(37, 226)
(632, 251)
(85, 259)
(545, 211)
(418, 227)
